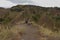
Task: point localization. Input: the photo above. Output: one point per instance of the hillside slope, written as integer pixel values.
(50, 17)
(46, 19)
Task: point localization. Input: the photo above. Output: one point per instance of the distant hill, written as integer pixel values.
(47, 16)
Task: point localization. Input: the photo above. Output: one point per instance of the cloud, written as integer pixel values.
(45, 3)
(48, 3)
(21, 1)
(6, 4)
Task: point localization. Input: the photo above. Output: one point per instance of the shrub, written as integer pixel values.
(36, 17)
(1, 20)
(16, 8)
(6, 20)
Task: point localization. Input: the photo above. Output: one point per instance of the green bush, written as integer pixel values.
(56, 18)
(16, 8)
(1, 19)
(6, 20)
(36, 17)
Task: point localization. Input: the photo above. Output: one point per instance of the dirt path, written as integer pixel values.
(30, 33)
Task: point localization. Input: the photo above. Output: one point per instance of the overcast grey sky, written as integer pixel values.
(45, 3)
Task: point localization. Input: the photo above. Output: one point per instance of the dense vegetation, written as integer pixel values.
(49, 17)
